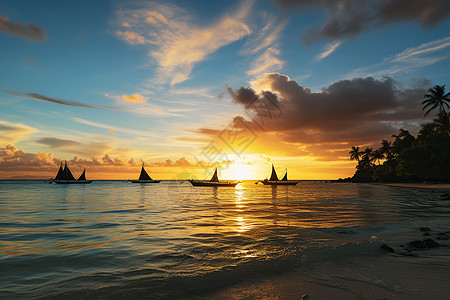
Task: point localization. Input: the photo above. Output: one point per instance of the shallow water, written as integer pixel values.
(172, 240)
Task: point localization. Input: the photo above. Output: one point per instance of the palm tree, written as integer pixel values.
(436, 97)
(368, 154)
(442, 123)
(377, 155)
(365, 164)
(386, 148)
(355, 154)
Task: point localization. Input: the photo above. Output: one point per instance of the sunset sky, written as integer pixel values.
(189, 85)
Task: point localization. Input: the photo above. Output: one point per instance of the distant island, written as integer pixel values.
(421, 158)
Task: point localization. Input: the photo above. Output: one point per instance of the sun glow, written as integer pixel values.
(239, 171)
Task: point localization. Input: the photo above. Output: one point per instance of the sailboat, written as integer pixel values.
(144, 177)
(65, 176)
(274, 179)
(213, 182)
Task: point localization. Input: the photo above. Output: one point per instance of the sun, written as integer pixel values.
(239, 171)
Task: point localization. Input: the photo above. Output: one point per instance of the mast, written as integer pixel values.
(144, 175)
(215, 178)
(82, 176)
(274, 176)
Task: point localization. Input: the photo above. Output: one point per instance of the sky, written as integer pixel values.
(187, 86)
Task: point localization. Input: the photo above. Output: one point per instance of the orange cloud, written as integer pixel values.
(131, 37)
(135, 98)
(15, 163)
(14, 132)
(180, 44)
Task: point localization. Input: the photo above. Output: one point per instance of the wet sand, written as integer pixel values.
(387, 277)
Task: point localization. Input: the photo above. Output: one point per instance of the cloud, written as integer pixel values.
(348, 18)
(16, 159)
(30, 31)
(71, 146)
(349, 112)
(137, 104)
(135, 98)
(39, 97)
(330, 48)
(112, 129)
(32, 62)
(58, 143)
(132, 38)
(182, 162)
(266, 45)
(14, 132)
(409, 59)
(16, 163)
(415, 52)
(268, 61)
(267, 36)
(176, 42)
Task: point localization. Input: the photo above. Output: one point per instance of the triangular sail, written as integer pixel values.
(83, 175)
(215, 178)
(60, 174)
(285, 177)
(274, 176)
(67, 174)
(144, 175)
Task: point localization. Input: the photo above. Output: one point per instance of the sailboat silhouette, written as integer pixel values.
(213, 182)
(144, 177)
(65, 176)
(275, 181)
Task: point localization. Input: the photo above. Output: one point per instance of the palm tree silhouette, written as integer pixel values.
(355, 154)
(368, 154)
(436, 97)
(442, 123)
(377, 155)
(386, 148)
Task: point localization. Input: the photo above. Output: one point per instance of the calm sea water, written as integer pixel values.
(172, 240)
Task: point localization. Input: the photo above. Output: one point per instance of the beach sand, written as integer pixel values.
(388, 277)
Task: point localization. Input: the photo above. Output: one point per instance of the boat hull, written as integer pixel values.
(212, 183)
(279, 182)
(144, 181)
(61, 181)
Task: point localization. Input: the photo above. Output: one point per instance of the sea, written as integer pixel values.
(116, 239)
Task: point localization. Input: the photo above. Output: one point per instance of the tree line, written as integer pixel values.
(425, 157)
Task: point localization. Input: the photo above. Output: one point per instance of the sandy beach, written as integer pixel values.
(388, 277)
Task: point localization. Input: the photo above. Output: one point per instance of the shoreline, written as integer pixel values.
(387, 276)
(419, 185)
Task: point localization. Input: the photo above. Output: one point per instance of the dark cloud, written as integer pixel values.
(342, 105)
(361, 111)
(347, 18)
(29, 31)
(39, 97)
